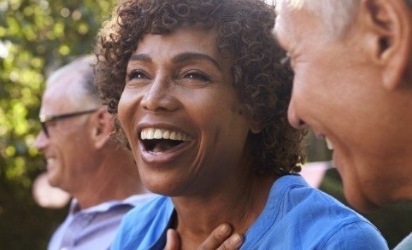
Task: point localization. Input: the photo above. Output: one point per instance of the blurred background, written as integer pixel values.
(37, 36)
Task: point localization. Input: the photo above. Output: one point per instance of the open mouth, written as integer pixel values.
(161, 140)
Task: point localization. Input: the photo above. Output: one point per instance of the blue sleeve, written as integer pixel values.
(359, 235)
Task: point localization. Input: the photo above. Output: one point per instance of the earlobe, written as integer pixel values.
(255, 131)
(391, 25)
(256, 127)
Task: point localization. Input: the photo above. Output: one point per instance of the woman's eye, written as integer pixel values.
(197, 76)
(137, 74)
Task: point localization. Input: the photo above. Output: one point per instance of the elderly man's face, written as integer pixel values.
(336, 92)
(68, 148)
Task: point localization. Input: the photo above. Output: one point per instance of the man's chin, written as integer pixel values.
(360, 201)
(52, 180)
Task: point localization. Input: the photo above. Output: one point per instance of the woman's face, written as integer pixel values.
(182, 115)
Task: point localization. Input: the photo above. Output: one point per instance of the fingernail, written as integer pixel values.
(236, 239)
(224, 229)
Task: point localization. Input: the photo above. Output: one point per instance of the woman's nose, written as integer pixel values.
(159, 96)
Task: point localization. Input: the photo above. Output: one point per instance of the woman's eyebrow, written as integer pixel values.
(195, 56)
(140, 57)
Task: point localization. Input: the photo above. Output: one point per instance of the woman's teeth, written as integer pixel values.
(155, 133)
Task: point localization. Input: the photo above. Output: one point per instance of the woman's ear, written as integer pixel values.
(256, 125)
(390, 23)
(103, 127)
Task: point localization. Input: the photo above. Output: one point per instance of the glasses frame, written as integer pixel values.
(44, 119)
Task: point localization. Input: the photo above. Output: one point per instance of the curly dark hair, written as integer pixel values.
(244, 32)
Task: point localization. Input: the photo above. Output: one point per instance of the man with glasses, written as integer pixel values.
(84, 160)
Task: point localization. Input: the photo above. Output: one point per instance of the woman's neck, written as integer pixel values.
(237, 203)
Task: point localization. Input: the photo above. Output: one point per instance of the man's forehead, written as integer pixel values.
(59, 94)
(66, 81)
(54, 100)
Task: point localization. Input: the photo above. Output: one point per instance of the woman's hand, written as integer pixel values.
(220, 239)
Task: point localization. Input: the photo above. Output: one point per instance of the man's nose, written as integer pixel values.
(41, 141)
(294, 118)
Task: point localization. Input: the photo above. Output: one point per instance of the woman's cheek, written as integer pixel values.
(126, 114)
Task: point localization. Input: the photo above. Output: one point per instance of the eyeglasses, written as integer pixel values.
(44, 119)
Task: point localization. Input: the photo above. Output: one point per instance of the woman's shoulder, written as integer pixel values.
(143, 225)
(292, 191)
(298, 216)
(292, 196)
(318, 218)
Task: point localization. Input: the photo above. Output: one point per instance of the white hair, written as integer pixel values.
(335, 15)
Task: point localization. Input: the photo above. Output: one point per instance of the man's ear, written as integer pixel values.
(391, 25)
(103, 127)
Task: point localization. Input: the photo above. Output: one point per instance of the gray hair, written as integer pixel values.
(83, 66)
(89, 85)
(335, 15)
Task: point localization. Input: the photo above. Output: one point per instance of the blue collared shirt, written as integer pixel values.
(94, 227)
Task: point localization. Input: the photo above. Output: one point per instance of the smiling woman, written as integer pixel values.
(201, 101)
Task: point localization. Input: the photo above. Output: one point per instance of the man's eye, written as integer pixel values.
(50, 123)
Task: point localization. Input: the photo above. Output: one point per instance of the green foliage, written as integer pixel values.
(36, 36)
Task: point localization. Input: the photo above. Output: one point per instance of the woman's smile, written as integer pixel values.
(160, 145)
